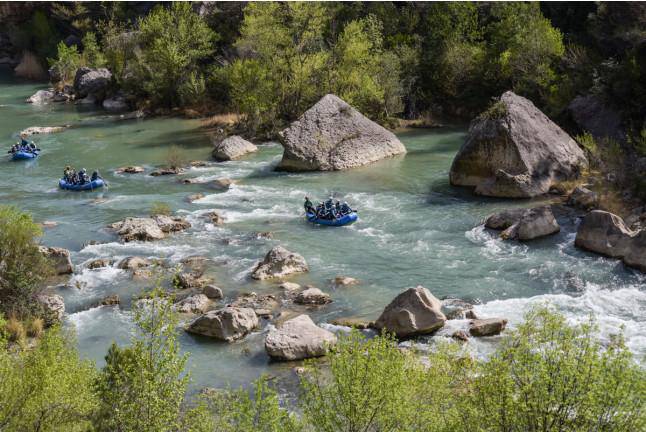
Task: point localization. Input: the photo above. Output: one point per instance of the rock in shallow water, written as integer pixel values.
(515, 151)
(605, 233)
(59, 258)
(197, 303)
(279, 262)
(145, 229)
(227, 324)
(41, 97)
(36, 130)
(487, 327)
(312, 296)
(232, 148)
(524, 224)
(298, 338)
(332, 135)
(414, 312)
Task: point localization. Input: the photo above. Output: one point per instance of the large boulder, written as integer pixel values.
(231, 148)
(312, 296)
(59, 258)
(41, 97)
(513, 150)
(607, 234)
(584, 198)
(487, 327)
(298, 338)
(197, 303)
(227, 324)
(334, 136)
(524, 224)
(92, 82)
(415, 311)
(279, 262)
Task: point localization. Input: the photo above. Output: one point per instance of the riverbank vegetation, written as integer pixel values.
(546, 375)
(270, 61)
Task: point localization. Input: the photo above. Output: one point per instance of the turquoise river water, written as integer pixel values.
(414, 229)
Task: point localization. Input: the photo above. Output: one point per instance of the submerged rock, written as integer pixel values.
(232, 148)
(221, 184)
(213, 292)
(41, 97)
(344, 281)
(279, 262)
(215, 218)
(227, 324)
(487, 327)
(607, 234)
(513, 150)
(194, 197)
(414, 312)
(115, 104)
(332, 135)
(166, 171)
(99, 263)
(59, 258)
(111, 300)
(298, 338)
(357, 323)
(133, 169)
(36, 130)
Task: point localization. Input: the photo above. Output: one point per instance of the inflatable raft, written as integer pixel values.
(343, 220)
(22, 155)
(95, 184)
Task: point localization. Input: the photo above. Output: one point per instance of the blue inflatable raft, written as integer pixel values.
(343, 220)
(95, 184)
(22, 155)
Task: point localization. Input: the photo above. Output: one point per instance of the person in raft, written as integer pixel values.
(24, 146)
(328, 210)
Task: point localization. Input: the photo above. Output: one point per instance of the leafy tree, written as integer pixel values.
(142, 387)
(370, 387)
(174, 40)
(67, 61)
(22, 267)
(92, 55)
(47, 388)
(551, 376)
(240, 411)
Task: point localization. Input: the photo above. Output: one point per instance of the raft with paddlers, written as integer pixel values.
(339, 221)
(24, 155)
(329, 213)
(91, 185)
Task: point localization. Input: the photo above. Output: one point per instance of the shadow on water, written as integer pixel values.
(189, 139)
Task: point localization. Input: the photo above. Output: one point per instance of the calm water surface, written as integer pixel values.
(415, 229)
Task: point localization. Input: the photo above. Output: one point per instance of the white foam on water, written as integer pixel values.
(91, 278)
(613, 310)
(493, 246)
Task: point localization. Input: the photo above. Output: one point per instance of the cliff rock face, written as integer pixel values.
(334, 136)
(515, 151)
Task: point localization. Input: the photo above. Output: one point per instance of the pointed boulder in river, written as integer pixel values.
(513, 150)
(334, 136)
(414, 312)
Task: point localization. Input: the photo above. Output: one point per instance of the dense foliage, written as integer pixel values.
(269, 61)
(546, 375)
(22, 266)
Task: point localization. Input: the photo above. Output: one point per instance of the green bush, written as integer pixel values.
(46, 388)
(92, 54)
(160, 209)
(587, 141)
(23, 268)
(67, 61)
(496, 110)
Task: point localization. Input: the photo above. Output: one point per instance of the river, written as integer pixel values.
(414, 229)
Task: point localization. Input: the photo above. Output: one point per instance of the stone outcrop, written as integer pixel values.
(145, 229)
(59, 258)
(133, 169)
(191, 280)
(592, 115)
(263, 305)
(414, 312)
(298, 338)
(232, 148)
(513, 150)
(99, 263)
(92, 82)
(227, 324)
(279, 262)
(583, 198)
(332, 135)
(606, 233)
(487, 327)
(524, 224)
(213, 292)
(53, 308)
